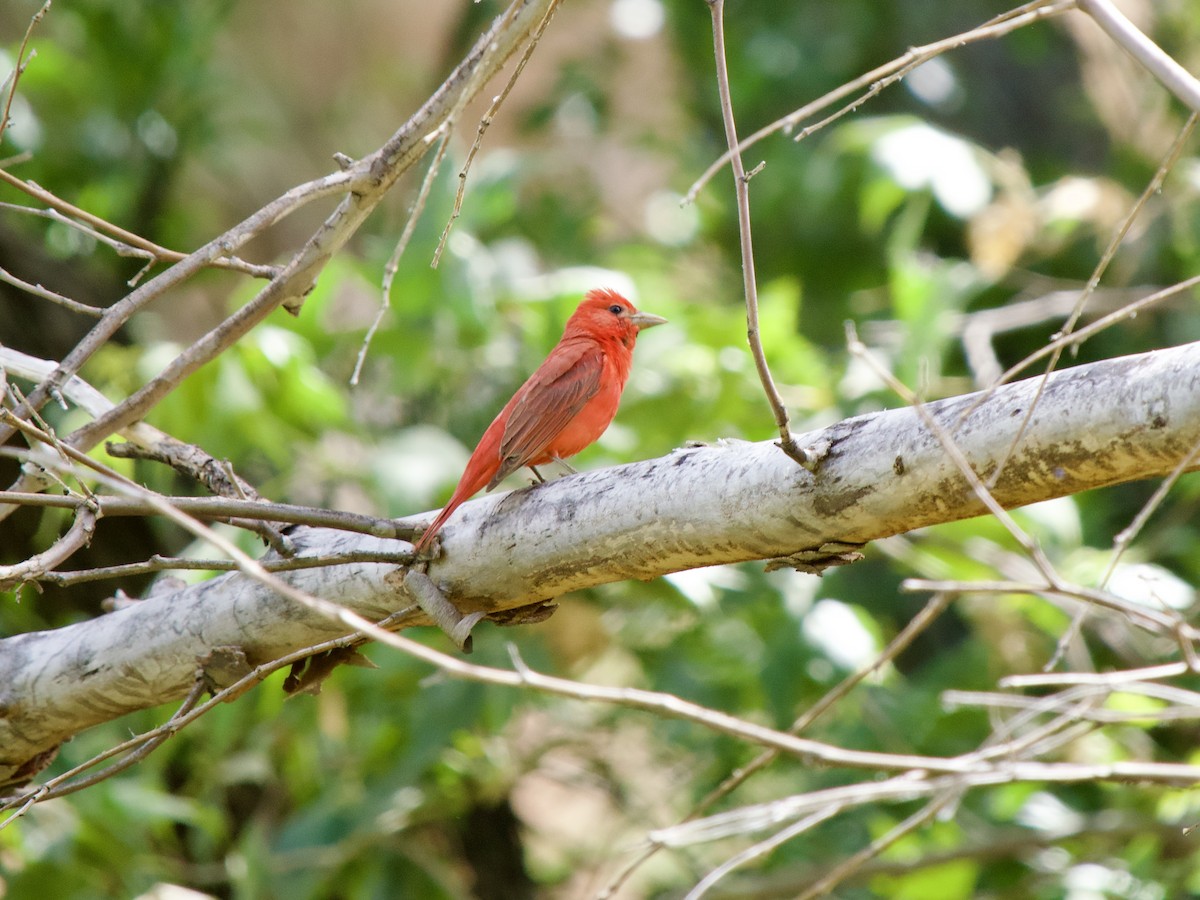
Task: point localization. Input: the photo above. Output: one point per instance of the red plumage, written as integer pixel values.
(563, 406)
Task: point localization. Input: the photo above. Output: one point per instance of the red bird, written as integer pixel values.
(564, 406)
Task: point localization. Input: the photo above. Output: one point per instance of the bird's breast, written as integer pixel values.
(589, 423)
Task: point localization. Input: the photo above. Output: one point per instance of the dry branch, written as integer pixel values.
(1124, 419)
(363, 185)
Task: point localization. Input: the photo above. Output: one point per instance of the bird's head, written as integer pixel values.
(606, 314)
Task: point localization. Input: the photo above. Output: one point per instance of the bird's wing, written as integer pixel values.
(547, 402)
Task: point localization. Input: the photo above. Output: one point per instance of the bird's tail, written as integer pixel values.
(427, 538)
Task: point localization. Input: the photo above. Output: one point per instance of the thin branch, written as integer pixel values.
(973, 768)
(1151, 619)
(220, 508)
(78, 536)
(393, 263)
(484, 123)
(762, 848)
(892, 72)
(1174, 77)
(1112, 679)
(126, 243)
(11, 80)
(159, 563)
(954, 452)
(1184, 703)
(913, 786)
(847, 867)
(787, 441)
(1093, 282)
(44, 293)
(937, 604)
(1130, 311)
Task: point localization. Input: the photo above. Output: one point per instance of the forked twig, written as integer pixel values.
(888, 74)
(937, 604)
(1093, 282)
(484, 123)
(10, 81)
(393, 263)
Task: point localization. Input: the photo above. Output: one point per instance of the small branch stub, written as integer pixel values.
(445, 614)
(814, 562)
(808, 457)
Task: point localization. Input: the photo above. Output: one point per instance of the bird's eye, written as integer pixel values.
(616, 309)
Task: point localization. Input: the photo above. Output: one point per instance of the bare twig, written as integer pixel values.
(159, 563)
(11, 80)
(1149, 618)
(937, 604)
(393, 263)
(762, 848)
(1110, 252)
(1178, 80)
(1184, 704)
(847, 867)
(912, 786)
(787, 441)
(982, 492)
(1111, 679)
(123, 242)
(484, 123)
(1129, 311)
(38, 291)
(890, 72)
(222, 508)
(78, 536)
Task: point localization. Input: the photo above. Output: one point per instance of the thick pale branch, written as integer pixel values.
(1097, 425)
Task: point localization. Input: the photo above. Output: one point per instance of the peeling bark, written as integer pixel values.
(1097, 425)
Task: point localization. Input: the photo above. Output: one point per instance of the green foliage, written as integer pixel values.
(363, 791)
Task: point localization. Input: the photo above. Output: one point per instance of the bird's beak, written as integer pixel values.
(646, 320)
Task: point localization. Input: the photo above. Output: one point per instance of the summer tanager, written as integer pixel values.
(564, 406)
